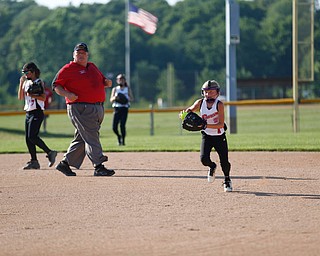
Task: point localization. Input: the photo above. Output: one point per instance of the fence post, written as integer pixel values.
(151, 120)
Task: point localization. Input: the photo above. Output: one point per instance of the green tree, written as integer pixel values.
(190, 35)
(276, 35)
(144, 82)
(107, 44)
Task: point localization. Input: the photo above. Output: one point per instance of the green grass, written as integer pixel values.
(259, 128)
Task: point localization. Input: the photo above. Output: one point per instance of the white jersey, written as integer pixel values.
(211, 116)
(125, 91)
(31, 103)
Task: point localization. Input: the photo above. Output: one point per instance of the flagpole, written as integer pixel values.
(127, 44)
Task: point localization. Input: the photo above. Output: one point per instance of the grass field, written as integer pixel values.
(259, 128)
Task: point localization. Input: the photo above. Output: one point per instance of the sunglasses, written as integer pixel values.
(25, 71)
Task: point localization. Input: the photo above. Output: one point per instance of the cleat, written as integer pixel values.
(227, 186)
(102, 171)
(65, 169)
(52, 157)
(33, 164)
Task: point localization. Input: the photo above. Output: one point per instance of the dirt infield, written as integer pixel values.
(161, 204)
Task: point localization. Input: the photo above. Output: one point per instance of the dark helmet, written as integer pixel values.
(210, 85)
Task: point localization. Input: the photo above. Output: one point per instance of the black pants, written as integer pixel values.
(120, 115)
(33, 123)
(220, 144)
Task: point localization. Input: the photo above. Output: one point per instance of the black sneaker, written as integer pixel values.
(52, 157)
(65, 169)
(33, 164)
(102, 171)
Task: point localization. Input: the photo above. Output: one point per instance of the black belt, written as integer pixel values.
(87, 103)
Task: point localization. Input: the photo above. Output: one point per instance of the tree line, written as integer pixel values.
(190, 38)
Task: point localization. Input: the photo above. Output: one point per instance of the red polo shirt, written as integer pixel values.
(86, 82)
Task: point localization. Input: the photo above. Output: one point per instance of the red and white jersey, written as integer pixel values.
(211, 116)
(30, 103)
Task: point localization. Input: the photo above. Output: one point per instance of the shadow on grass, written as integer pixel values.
(42, 134)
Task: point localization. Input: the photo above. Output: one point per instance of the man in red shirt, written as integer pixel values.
(83, 86)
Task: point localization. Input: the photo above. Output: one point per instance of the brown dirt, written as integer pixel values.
(161, 204)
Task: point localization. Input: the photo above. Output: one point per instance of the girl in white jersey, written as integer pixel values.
(121, 109)
(34, 106)
(213, 136)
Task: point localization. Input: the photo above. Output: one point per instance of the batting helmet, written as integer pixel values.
(210, 85)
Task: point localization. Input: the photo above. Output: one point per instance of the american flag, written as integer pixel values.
(142, 19)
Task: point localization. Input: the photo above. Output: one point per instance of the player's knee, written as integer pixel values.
(205, 160)
(33, 139)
